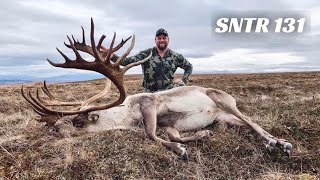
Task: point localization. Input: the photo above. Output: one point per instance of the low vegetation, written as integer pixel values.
(285, 104)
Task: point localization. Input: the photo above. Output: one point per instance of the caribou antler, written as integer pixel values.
(101, 64)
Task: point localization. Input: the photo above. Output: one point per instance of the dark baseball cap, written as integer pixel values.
(161, 31)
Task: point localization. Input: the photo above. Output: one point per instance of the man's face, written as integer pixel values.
(162, 41)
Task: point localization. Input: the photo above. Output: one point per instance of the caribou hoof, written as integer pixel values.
(271, 144)
(184, 154)
(268, 147)
(287, 147)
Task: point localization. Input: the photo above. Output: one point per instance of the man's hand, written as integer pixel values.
(185, 81)
(179, 82)
(105, 50)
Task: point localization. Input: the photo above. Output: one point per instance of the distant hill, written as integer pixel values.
(63, 78)
(13, 81)
(72, 78)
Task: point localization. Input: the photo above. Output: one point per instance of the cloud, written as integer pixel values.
(242, 60)
(31, 30)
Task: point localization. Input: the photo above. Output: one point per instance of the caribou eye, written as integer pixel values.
(93, 117)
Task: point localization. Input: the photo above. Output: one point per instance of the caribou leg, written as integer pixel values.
(148, 109)
(174, 135)
(227, 103)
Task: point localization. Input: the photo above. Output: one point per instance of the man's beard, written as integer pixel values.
(162, 46)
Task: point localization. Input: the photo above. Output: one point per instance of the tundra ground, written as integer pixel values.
(285, 104)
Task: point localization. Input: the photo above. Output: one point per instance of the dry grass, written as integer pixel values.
(285, 104)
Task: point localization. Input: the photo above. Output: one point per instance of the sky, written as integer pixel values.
(31, 30)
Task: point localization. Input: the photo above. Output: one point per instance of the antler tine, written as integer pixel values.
(46, 90)
(79, 63)
(74, 41)
(104, 92)
(38, 96)
(43, 108)
(67, 59)
(55, 102)
(27, 98)
(105, 54)
(39, 112)
(83, 37)
(100, 41)
(93, 44)
(78, 56)
(107, 59)
(81, 46)
(127, 67)
(116, 48)
(121, 58)
(67, 64)
(34, 105)
(121, 44)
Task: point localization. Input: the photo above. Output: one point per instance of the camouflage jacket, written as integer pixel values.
(158, 73)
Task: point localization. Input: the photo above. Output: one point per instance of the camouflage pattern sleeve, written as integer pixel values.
(186, 65)
(128, 60)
